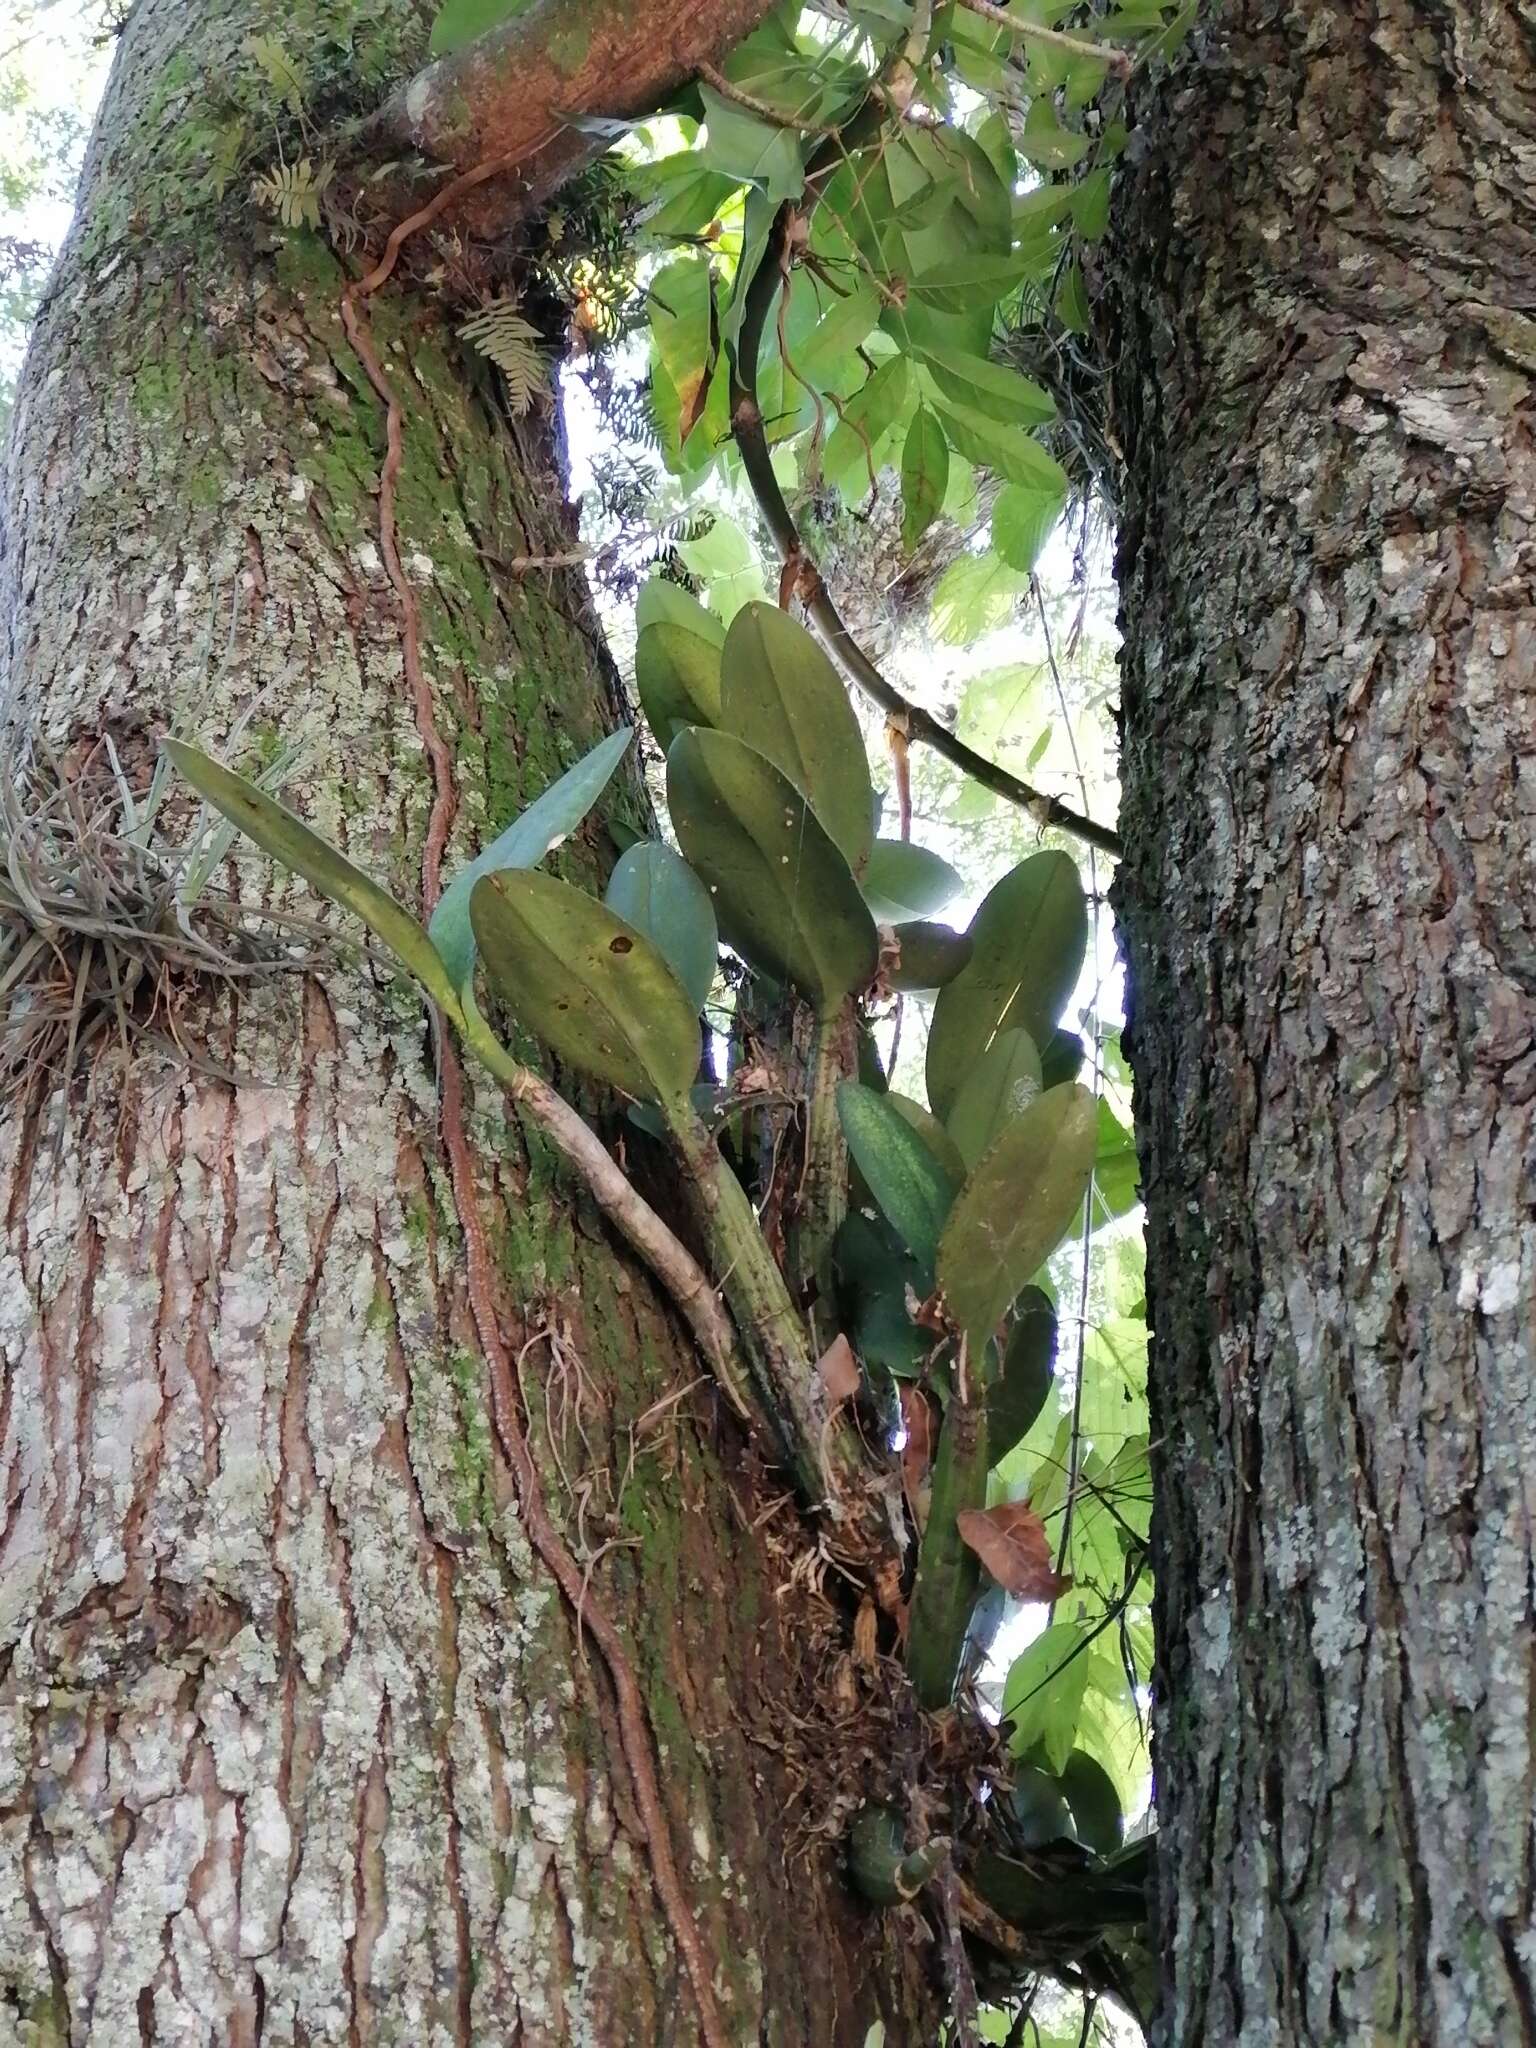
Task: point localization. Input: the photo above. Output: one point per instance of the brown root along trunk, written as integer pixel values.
(298, 1741)
(1322, 310)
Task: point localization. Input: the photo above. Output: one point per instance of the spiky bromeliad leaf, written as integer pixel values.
(289, 840)
(501, 334)
(785, 896)
(781, 694)
(591, 986)
(1010, 1215)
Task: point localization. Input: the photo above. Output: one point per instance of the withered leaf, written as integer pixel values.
(1011, 1542)
(839, 1371)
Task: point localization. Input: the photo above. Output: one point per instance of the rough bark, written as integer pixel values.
(298, 1743)
(1323, 304)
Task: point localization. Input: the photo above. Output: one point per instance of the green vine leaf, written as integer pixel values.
(924, 475)
(783, 892)
(1010, 1215)
(592, 987)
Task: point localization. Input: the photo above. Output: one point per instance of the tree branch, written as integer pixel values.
(1055, 38)
(917, 724)
(533, 93)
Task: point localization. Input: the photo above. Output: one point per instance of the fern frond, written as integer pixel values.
(505, 338)
(292, 192)
(268, 54)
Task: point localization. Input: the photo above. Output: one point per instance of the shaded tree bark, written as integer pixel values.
(298, 1743)
(1322, 299)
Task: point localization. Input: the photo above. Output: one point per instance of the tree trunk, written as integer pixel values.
(298, 1741)
(1322, 297)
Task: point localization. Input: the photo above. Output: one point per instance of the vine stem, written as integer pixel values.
(635, 1735)
(800, 572)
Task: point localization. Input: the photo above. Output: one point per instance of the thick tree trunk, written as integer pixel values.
(298, 1742)
(1323, 292)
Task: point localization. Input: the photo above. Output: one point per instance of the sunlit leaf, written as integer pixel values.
(1043, 1693)
(1023, 520)
(989, 389)
(592, 987)
(856, 448)
(924, 475)
(975, 595)
(681, 304)
(752, 151)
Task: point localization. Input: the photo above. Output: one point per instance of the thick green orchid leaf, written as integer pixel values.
(1010, 1215)
(903, 881)
(677, 677)
(911, 1186)
(532, 834)
(928, 956)
(289, 840)
(785, 896)
(1016, 1398)
(592, 987)
(782, 696)
(1002, 1084)
(655, 890)
(1028, 941)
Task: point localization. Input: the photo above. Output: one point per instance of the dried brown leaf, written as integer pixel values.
(839, 1371)
(1011, 1542)
(917, 1419)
